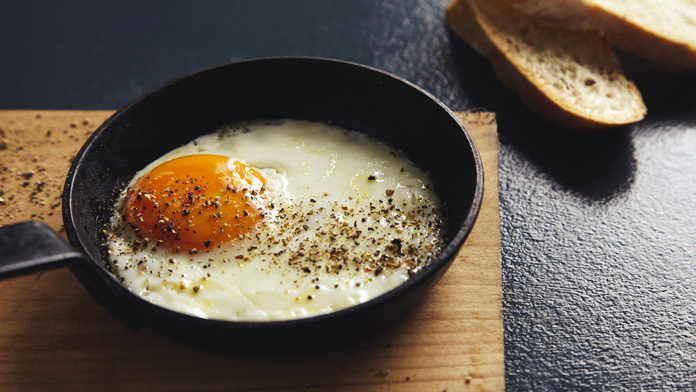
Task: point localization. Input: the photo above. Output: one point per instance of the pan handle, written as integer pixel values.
(30, 246)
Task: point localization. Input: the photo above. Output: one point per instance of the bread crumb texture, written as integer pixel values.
(575, 71)
(673, 19)
(663, 32)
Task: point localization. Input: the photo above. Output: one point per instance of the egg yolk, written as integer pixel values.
(197, 201)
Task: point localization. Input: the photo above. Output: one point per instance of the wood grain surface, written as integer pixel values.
(54, 337)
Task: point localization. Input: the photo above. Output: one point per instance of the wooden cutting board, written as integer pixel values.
(54, 337)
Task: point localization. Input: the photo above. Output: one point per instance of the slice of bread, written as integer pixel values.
(663, 32)
(571, 78)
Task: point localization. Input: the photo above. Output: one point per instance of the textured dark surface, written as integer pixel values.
(598, 230)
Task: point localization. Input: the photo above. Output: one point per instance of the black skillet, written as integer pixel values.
(350, 95)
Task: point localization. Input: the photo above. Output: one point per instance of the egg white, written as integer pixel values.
(344, 203)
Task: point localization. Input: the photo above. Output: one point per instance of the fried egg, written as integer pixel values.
(273, 220)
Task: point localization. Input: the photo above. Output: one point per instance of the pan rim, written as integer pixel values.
(441, 261)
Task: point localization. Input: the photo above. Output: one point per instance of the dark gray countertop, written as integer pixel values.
(598, 230)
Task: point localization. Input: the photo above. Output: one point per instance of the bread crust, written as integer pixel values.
(644, 42)
(632, 36)
(467, 22)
